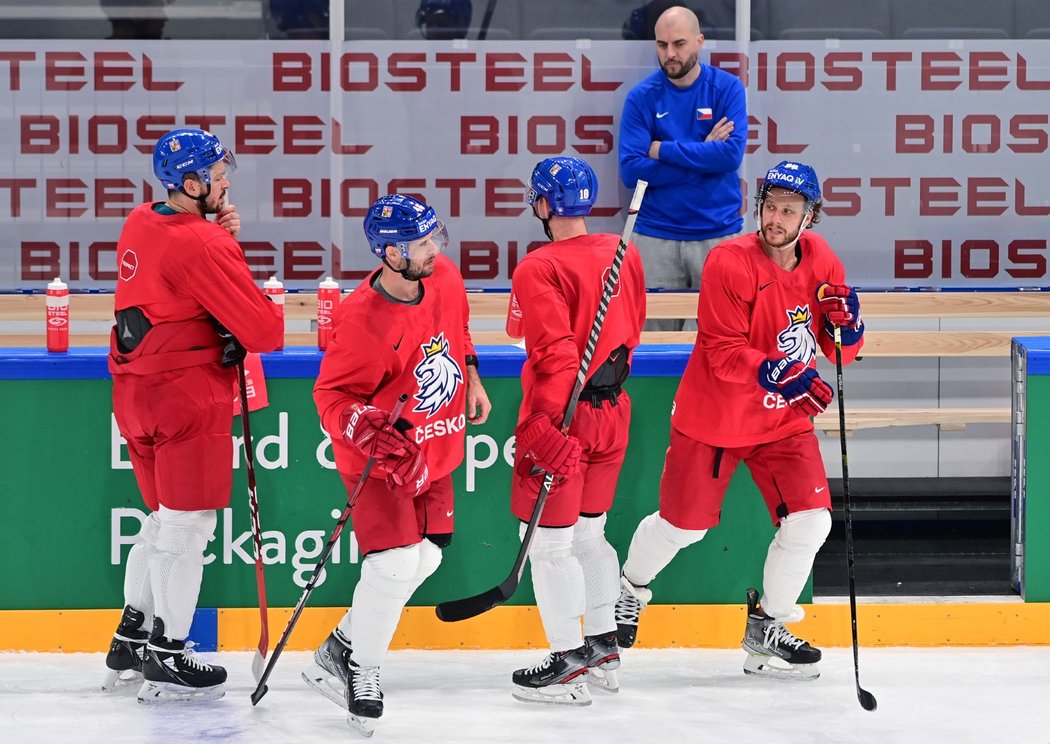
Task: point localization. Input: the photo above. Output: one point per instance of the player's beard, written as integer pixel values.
(414, 272)
(781, 240)
(216, 207)
(684, 68)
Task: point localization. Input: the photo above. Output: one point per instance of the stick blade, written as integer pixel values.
(867, 700)
(258, 694)
(468, 607)
(258, 666)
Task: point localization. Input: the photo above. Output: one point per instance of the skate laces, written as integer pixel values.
(777, 635)
(543, 665)
(366, 683)
(192, 660)
(627, 608)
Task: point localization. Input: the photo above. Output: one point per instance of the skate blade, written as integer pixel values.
(574, 693)
(603, 680)
(324, 683)
(122, 681)
(364, 726)
(153, 693)
(773, 667)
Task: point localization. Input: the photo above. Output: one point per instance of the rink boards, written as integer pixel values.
(72, 510)
(942, 621)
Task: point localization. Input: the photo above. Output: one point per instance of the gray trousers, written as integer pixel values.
(674, 264)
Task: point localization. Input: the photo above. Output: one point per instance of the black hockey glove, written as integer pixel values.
(232, 353)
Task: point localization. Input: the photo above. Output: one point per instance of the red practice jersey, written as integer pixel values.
(179, 267)
(381, 349)
(557, 289)
(751, 310)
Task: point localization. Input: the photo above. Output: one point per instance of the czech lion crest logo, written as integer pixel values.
(438, 376)
(797, 341)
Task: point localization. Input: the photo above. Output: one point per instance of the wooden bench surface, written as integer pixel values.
(876, 343)
(948, 419)
(660, 305)
(493, 306)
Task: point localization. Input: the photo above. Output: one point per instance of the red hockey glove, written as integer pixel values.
(798, 384)
(368, 429)
(841, 307)
(408, 474)
(543, 447)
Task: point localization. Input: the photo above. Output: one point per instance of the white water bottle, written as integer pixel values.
(327, 302)
(273, 289)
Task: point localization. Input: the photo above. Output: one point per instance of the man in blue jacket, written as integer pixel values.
(683, 129)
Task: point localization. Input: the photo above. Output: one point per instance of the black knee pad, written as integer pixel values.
(442, 541)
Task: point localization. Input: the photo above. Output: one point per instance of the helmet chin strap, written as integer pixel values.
(799, 233)
(202, 200)
(403, 272)
(546, 222)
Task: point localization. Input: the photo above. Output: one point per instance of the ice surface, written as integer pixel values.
(941, 695)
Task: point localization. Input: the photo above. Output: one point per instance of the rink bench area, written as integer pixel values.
(882, 311)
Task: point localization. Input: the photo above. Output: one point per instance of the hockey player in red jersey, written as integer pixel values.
(768, 302)
(404, 330)
(556, 291)
(186, 310)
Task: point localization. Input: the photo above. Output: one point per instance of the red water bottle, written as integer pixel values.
(273, 289)
(57, 316)
(515, 322)
(327, 302)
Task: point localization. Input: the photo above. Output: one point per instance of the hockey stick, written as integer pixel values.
(867, 700)
(261, 688)
(253, 509)
(462, 609)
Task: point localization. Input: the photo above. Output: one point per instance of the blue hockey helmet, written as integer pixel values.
(444, 19)
(792, 176)
(568, 184)
(398, 220)
(183, 151)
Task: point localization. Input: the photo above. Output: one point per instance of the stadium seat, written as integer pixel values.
(493, 34)
(1031, 19)
(793, 34)
(55, 28)
(821, 19)
(955, 32)
(575, 32)
(728, 33)
(367, 19)
(557, 19)
(952, 19)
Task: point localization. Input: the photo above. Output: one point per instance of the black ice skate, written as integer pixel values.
(126, 650)
(331, 668)
(174, 673)
(364, 699)
(603, 659)
(557, 680)
(629, 606)
(772, 651)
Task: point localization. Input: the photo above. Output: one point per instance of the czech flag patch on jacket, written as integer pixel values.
(703, 113)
